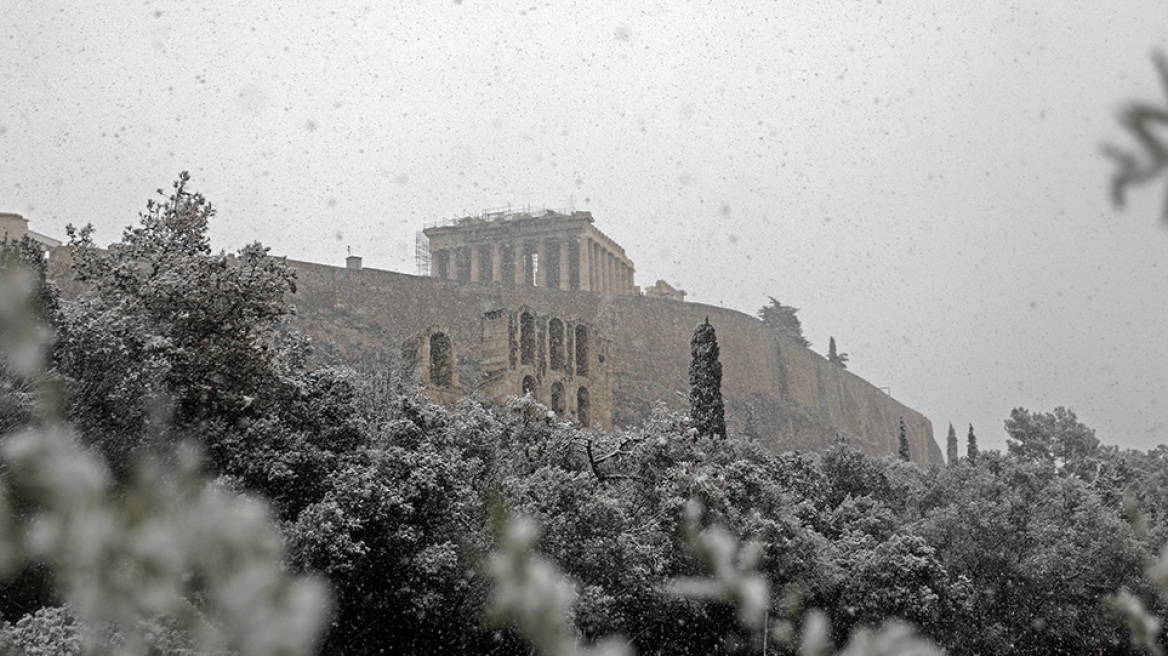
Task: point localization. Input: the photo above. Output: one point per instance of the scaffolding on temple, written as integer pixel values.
(422, 254)
(504, 214)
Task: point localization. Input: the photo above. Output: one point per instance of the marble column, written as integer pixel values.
(541, 260)
(596, 266)
(593, 267)
(580, 264)
(517, 249)
(602, 270)
(583, 270)
(609, 273)
(474, 263)
(496, 263)
(565, 266)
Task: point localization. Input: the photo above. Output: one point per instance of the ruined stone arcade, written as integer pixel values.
(562, 363)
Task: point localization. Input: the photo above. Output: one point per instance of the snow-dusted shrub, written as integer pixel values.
(534, 595)
(52, 631)
(164, 552)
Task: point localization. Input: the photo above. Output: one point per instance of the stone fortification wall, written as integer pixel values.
(778, 391)
(12, 226)
(785, 395)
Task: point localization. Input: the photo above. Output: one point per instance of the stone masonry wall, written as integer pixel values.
(786, 395)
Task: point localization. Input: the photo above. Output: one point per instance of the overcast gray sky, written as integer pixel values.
(923, 179)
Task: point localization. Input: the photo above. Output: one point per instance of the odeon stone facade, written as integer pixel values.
(784, 395)
(561, 361)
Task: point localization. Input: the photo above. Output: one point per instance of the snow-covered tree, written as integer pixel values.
(784, 320)
(1051, 436)
(951, 454)
(206, 324)
(971, 446)
(902, 449)
(162, 547)
(171, 335)
(705, 382)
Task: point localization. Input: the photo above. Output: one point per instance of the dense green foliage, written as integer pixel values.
(389, 496)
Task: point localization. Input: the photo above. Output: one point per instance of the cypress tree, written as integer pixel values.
(904, 452)
(834, 357)
(705, 382)
(951, 445)
(971, 449)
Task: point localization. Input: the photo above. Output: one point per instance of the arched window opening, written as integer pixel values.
(556, 344)
(441, 360)
(581, 351)
(558, 397)
(582, 407)
(526, 339)
(529, 386)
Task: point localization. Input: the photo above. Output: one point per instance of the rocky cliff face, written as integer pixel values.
(783, 394)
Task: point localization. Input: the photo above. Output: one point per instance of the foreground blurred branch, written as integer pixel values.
(532, 593)
(1144, 625)
(1141, 121)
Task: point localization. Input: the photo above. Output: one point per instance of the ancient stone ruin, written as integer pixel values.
(549, 248)
(543, 303)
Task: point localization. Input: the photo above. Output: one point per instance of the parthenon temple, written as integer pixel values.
(557, 249)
